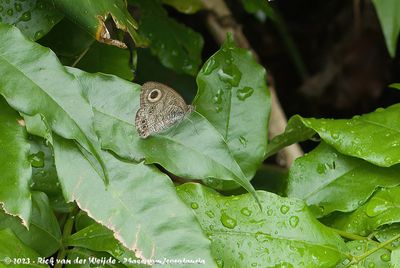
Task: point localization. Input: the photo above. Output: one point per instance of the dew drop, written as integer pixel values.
(230, 74)
(376, 207)
(245, 211)
(243, 141)
(227, 221)
(26, 16)
(371, 265)
(10, 12)
(385, 257)
(244, 93)
(38, 35)
(284, 209)
(270, 212)
(194, 205)
(18, 7)
(218, 97)
(209, 66)
(210, 214)
(335, 136)
(294, 221)
(1, 8)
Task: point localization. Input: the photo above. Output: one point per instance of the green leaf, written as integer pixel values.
(12, 249)
(373, 137)
(178, 47)
(15, 168)
(92, 15)
(295, 131)
(185, 6)
(388, 11)
(233, 96)
(98, 238)
(44, 235)
(107, 59)
(153, 223)
(34, 82)
(328, 181)
(33, 17)
(380, 258)
(395, 85)
(244, 236)
(382, 208)
(192, 149)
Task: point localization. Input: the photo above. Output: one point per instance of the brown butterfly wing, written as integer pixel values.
(153, 117)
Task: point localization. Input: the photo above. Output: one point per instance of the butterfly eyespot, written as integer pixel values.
(154, 95)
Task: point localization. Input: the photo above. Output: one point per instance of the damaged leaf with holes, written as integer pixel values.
(97, 17)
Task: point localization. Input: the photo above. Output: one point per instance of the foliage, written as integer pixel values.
(77, 182)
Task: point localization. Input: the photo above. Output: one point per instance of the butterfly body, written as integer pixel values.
(160, 108)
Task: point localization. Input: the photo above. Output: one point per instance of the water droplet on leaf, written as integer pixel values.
(284, 209)
(385, 257)
(294, 221)
(230, 74)
(244, 93)
(26, 16)
(227, 221)
(243, 140)
(194, 205)
(18, 7)
(245, 211)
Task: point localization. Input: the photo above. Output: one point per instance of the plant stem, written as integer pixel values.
(348, 235)
(69, 224)
(356, 259)
(80, 57)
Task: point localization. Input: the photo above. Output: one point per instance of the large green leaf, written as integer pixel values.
(382, 208)
(374, 137)
(185, 6)
(233, 96)
(329, 181)
(139, 205)
(13, 253)
(388, 11)
(192, 149)
(98, 238)
(34, 82)
(177, 46)
(15, 168)
(33, 17)
(91, 15)
(44, 235)
(285, 234)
